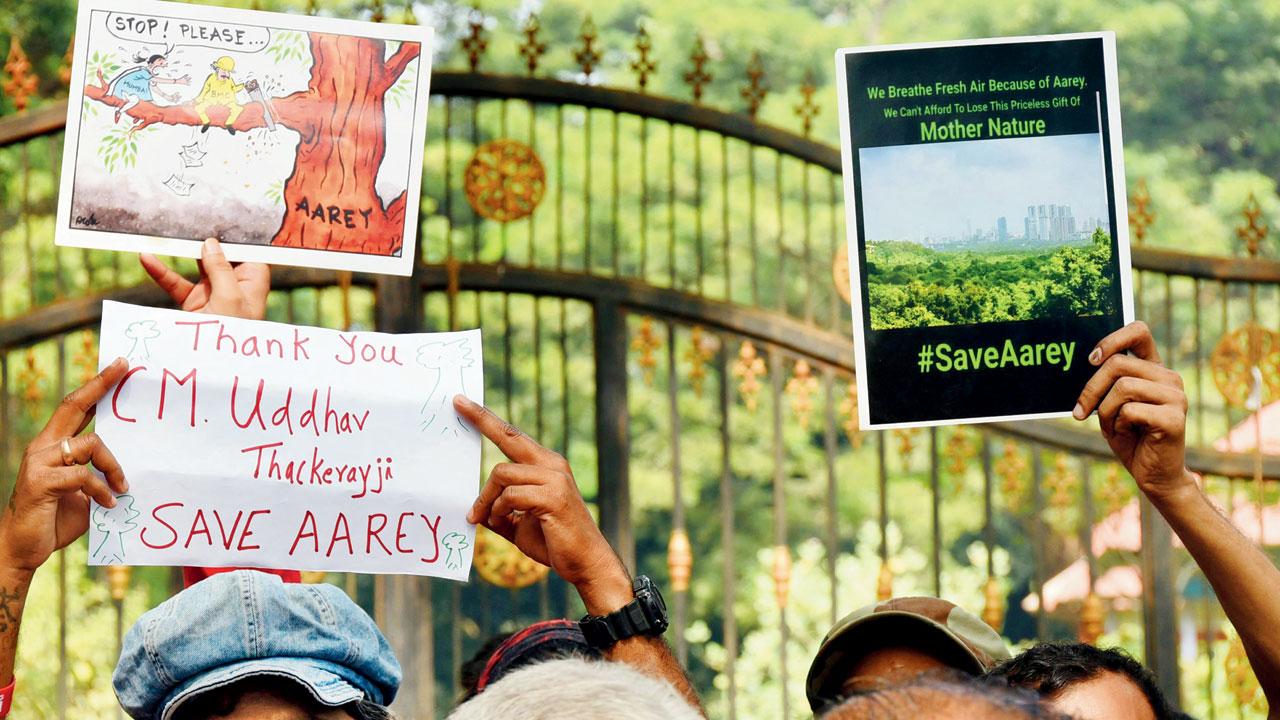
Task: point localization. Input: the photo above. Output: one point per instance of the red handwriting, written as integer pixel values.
(319, 537)
(356, 349)
(329, 419)
(237, 535)
(316, 470)
(294, 348)
(164, 383)
(115, 396)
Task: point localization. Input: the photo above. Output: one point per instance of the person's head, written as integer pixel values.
(897, 640)
(579, 688)
(224, 66)
(153, 62)
(1087, 682)
(546, 640)
(247, 645)
(942, 698)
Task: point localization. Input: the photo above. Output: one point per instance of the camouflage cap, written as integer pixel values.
(938, 623)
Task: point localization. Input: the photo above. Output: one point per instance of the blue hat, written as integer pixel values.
(248, 624)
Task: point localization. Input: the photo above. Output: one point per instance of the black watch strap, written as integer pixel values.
(645, 615)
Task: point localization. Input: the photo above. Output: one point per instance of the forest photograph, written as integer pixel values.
(986, 231)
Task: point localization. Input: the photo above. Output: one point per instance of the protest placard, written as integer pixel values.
(296, 140)
(249, 443)
(986, 221)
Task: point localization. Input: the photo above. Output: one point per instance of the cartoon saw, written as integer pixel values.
(268, 112)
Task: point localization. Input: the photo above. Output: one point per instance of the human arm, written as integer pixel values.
(234, 291)
(534, 502)
(1142, 411)
(49, 507)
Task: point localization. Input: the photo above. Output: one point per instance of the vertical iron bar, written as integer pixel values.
(782, 249)
(988, 505)
(25, 215)
(671, 203)
(612, 434)
(644, 197)
(724, 217)
(1037, 537)
(808, 251)
(617, 268)
(751, 225)
(833, 520)
(680, 616)
(697, 209)
(1158, 606)
(833, 248)
(1087, 519)
(1195, 306)
(935, 498)
(779, 518)
(447, 200)
(586, 190)
(727, 534)
(882, 489)
(531, 254)
(560, 187)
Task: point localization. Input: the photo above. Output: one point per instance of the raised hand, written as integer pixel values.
(1141, 407)
(49, 508)
(534, 502)
(234, 291)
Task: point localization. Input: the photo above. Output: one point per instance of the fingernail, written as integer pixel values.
(112, 503)
(471, 516)
(117, 363)
(464, 400)
(1095, 357)
(211, 247)
(1078, 412)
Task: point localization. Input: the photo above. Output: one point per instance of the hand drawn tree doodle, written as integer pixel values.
(342, 120)
(140, 332)
(448, 359)
(455, 543)
(114, 523)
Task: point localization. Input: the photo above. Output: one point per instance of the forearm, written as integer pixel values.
(13, 597)
(1242, 576)
(649, 655)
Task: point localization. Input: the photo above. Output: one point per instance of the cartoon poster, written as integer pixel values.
(260, 444)
(293, 139)
(987, 226)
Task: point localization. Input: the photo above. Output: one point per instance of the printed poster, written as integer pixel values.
(987, 227)
(295, 140)
(260, 444)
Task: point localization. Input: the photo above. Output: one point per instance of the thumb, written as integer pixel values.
(222, 277)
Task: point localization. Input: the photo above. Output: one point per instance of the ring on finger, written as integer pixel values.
(67, 457)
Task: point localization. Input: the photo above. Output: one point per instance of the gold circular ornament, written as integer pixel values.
(1234, 358)
(504, 181)
(501, 563)
(840, 274)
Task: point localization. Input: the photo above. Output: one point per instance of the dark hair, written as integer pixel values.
(1050, 668)
(222, 701)
(925, 695)
(469, 673)
(148, 59)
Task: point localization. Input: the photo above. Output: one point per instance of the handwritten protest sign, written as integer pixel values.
(295, 139)
(259, 444)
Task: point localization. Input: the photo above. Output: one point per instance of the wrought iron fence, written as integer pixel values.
(662, 293)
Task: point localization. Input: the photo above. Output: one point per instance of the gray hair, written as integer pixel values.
(577, 688)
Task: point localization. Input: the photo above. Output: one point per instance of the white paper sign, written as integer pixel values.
(260, 444)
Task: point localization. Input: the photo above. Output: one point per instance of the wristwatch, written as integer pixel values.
(646, 615)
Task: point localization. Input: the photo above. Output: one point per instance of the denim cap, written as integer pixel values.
(247, 624)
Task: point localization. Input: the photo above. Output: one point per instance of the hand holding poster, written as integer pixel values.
(249, 443)
(988, 238)
(297, 139)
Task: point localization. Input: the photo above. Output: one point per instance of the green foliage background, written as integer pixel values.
(910, 285)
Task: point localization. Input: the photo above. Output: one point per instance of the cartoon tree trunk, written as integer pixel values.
(341, 117)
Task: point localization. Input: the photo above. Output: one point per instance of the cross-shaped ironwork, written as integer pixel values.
(755, 89)
(1140, 214)
(474, 44)
(698, 77)
(532, 49)
(587, 56)
(643, 65)
(807, 110)
(1254, 231)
